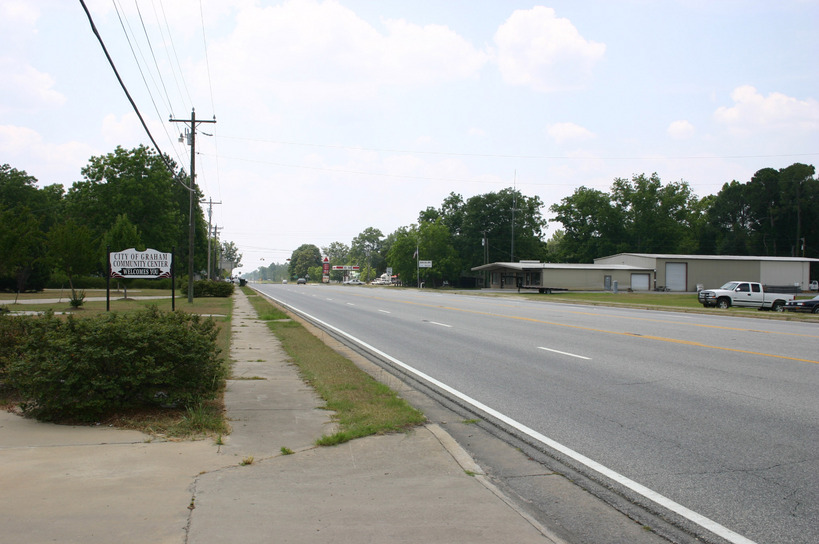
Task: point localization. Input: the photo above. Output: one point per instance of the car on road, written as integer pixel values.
(284, 282)
(805, 305)
(353, 282)
(301, 281)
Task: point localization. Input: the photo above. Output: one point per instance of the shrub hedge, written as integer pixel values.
(80, 369)
(209, 288)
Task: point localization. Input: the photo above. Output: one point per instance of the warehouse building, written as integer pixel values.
(650, 271)
(694, 272)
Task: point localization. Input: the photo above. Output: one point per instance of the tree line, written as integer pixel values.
(775, 213)
(127, 198)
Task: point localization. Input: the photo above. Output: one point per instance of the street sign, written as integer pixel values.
(424, 264)
(148, 264)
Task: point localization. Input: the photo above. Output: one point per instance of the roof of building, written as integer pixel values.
(536, 265)
(710, 257)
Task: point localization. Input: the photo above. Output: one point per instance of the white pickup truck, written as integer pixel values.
(747, 294)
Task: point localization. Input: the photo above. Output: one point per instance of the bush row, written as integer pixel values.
(81, 369)
(209, 288)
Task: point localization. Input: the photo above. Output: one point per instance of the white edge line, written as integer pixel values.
(638, 488)
(565, 353)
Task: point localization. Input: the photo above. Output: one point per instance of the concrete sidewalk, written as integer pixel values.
(100, 485)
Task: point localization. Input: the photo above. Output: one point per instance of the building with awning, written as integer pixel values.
(546, 277)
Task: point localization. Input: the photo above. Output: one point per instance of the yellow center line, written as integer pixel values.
(604, 331)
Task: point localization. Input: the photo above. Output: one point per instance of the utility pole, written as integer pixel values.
(216, 230)
(210, 203)
(191, 227)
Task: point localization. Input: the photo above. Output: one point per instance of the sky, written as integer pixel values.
(335, 116)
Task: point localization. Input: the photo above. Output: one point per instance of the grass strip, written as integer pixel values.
(362, 405)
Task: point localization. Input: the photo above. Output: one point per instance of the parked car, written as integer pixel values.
(301, 281)
(284, 282)
(747, 294)
(353, 282)
(805, 305)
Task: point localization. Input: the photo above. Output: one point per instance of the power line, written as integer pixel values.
(125, 89)
(145, 82)
(153, 56)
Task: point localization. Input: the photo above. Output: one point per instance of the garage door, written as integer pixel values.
(639, 282)
(676, 276)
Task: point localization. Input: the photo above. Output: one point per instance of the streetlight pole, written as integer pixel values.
(191, 222)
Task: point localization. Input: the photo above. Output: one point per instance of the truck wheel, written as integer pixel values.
(724, 303)
(778, 306)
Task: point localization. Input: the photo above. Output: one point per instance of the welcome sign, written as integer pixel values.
(148, 264)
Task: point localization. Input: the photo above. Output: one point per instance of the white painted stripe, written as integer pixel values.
(350, 304)
(565, 353)
(384, 312)
(640, 489)
(441, 324)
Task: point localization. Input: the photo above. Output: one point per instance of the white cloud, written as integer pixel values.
(308, 51)
(45, 161)
(17, 13)
(755, 113)
(680, 130)
(26, 87)
(569, 132)
(538, 49)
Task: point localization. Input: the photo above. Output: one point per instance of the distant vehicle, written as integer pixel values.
(805, 305)
(301, 281)
(284, 282)
(746, 294)
(353, 282)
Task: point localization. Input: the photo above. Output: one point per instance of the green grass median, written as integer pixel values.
(362, 406)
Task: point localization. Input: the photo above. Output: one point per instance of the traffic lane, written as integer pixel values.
(774, 338)
(685, 440)
(667, 450)
(740, 377)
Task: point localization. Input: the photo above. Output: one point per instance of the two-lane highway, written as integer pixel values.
(716, 418)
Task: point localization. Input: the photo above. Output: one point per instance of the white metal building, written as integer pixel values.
(690, 272)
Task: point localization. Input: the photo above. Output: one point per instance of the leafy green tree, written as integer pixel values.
(229, 252)
(402, 254)
(508, 222)
(592, 226)
(121, 236)
(73, 250)
(26, 213)
(433, 242)
(658, 218)
(775, 213)
(366, 251)
(304, 257)
(138, 183)
(22, 245)
(339, 254)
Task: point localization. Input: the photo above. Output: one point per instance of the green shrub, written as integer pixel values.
(84, 368)
(13, 333)
(209, 288)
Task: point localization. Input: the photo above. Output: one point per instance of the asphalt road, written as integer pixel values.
(712, 417)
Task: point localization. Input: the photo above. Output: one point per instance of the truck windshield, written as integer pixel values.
(730, 286)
